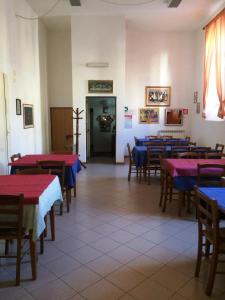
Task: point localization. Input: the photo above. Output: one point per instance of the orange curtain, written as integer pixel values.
(215, 48)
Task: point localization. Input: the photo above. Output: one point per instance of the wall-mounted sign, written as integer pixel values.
(185, 111)
(128, 121)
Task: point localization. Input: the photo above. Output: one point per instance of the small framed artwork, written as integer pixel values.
(149, 115)
(28, 118)
(173, 117)
(100, 86)
(18, 107)
(157, 95)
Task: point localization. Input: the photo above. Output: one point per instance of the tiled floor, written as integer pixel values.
(115, 244)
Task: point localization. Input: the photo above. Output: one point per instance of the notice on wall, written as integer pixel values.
(128, 121)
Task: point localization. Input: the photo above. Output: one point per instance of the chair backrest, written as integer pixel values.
(33, 171)
(208, 216)
(155, 154)
(192, 143)
(15, 157)
(188, 138)
(57, 167)
(129, 151)
(200, 149)
(11, 215)
(155, 143)
(210, 174)
(187, 155)
(152, 137)
(219, 148)
(213, 155)
(135, 141)
(178, 149)
(166, 137)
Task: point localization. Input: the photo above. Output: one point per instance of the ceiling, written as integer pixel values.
(190, 15)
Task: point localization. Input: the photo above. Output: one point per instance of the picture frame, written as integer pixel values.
(28, 116)
(149, 115)
(173, 117)
(18, 107)
(157, 95)
(100, 86)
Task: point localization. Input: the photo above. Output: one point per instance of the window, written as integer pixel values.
(214, 69)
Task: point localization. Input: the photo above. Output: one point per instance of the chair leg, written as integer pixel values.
(52, 222)
(18, 261)
(212, 272)
(75, 191)
(42, 243)
(46, 230)
(199, 255)
(162, 192)
(129, 173)
(68, 199)
(180, 202)
(61, 209)
(165, 196)
(33, 257)
(6, 247)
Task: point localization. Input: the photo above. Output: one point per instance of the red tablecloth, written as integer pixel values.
(188, 167)
(31, 186)
(31, 160)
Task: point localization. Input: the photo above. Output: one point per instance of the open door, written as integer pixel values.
(3, 127)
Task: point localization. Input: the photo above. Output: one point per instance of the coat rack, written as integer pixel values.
(77, 133)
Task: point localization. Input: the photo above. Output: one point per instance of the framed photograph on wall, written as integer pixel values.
(28, 117)
(174, 116)
(157, 95)
(18, 107)
(100, 86)
(149, 115)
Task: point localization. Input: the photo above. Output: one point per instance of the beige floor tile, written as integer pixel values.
(63, 265)
(150, 290)
(102, 290)
(105, 229)
(55, 290)
(77, 297)
(81, 278)
(177, 297)
(126, 278)
(69, 245)
(141, 245)
(155, 236)
(162, 254)
(104, 265)
(12, 292)
(88, 236)
(127, 297)
(136, 229)
(170, 278)
(175, 244)
(183, 264)
(122, 236)
(86, 254)
(123, 254)
(105, 244)
(145, 265)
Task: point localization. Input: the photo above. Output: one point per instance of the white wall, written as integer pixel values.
(99, 39)
(158, 59)
(203, 132)
(59, 68)
(19, 59)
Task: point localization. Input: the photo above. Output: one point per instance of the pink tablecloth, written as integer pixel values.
(31, 160)
(188, 167)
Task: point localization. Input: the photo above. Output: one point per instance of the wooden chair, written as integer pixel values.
(175, 150)
(210, 235)
(11, 219)
(152, 137)
(188, 138)
(166, 137)
(219, 148)
(15, 157)
(154, 157)
(135, 141)
(132, 166)
(188, 155)
(192, 143)
(58, 168)
(155, 143)
(201, 150)
(38, 171)
(210, 174)
(213, 155)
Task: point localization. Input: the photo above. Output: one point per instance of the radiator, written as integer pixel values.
(174, 133)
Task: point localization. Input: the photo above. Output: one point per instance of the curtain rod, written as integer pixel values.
(216, 17)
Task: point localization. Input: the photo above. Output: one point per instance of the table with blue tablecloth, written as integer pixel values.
(142, 141)
(217, 194)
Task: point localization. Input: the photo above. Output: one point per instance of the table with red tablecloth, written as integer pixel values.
(30, 161)
(40, 192)
(184, 171)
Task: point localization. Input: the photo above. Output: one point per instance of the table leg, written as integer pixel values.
(52, 222)
(33, 255)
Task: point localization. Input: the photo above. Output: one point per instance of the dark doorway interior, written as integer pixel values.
(101, 129)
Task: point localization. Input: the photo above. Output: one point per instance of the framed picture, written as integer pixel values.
(149, 115)
(173, 117)
(157, 95)
(18, 107)
(28, 118)
(100, 86)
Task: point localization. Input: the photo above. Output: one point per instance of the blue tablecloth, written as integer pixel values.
(215, 193)
(140, 154)
(183, 142)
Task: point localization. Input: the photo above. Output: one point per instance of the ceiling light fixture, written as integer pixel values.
(128, 2)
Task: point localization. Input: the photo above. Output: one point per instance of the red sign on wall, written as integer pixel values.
(185, 111)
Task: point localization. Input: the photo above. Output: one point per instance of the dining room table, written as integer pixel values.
(217, 194)
(72, 163)
(40, 193)
(171, 142)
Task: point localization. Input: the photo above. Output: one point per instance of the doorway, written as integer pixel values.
(62, 129)
(101, 129)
